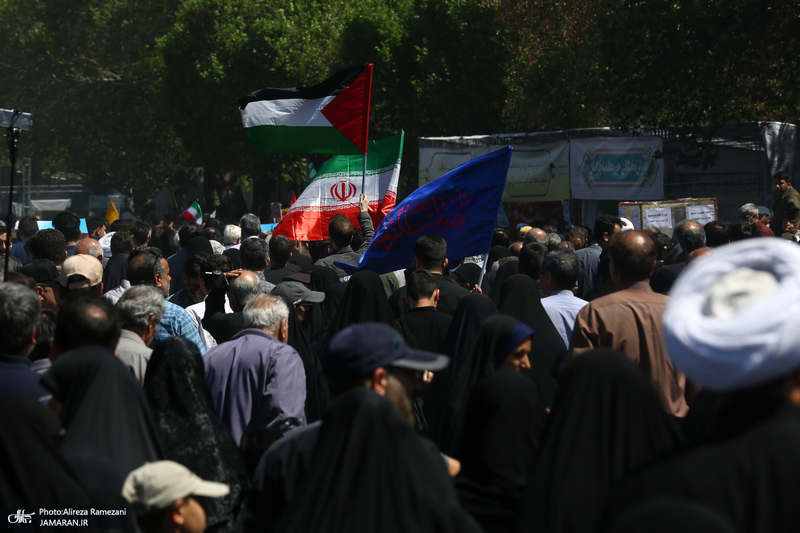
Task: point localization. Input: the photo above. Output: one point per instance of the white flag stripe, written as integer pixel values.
(319, 194)
(290, 112)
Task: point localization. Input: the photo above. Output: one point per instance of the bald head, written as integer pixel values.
(243, 289)
(690, 234)
(89, 246)
(633, 256)
(535, 235)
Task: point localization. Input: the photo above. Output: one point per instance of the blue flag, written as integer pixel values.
(460, 206)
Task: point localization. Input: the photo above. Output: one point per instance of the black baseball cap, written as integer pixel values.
(41, 270)
(356, 351)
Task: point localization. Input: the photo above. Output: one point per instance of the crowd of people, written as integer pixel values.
(577, 379)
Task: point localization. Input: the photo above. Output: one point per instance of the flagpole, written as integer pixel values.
(483, 269)
(364, 175)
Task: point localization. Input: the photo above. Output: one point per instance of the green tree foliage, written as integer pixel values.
(218, 51)
(702, 61)
(139, 92)
(88, 71)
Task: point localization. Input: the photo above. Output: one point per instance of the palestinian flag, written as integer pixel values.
(193, 214)
(329, 118)
(336, 188)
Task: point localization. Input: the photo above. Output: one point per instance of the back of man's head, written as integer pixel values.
(231, 234)
(137, 305)
(141, 233)
(563, 268)
(535, 235)
(28, 226)
(280, 250)
(717, 233)
(187, 233)
(91, 247)
(253, 255)
(690, 234)
(530, 259)
(49, 244)
(266, 313)
(68, 224)
(87, 321)
(144, 263)
(251, 225)
(340, 230)
(431, 252)
(605, 226)
(214, 266)
(20, 311)
(748, 210)
(420, 284)
(244, 289)
(122, 242)
(95, 223)
(633, 254)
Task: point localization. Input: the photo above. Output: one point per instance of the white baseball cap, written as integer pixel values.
(155, 486)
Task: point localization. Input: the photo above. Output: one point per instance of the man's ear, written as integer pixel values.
(283, 331)
(444, 264)
(407, 298)
(379, 381)
(436, 296)
(417, 264)
(175, 514)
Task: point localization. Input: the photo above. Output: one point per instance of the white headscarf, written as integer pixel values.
(732, 319)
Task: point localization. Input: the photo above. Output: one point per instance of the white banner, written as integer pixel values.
(537, 173)
(616, 169)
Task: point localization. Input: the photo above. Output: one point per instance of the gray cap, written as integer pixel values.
(297, 292)
(158, 485)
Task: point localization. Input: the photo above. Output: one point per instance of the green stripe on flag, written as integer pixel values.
(292, 139)
(382, 156)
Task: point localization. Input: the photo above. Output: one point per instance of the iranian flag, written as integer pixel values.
(336, 188)
(193, 214)
(329, 118)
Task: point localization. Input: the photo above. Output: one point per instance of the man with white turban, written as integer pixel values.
(722, 329)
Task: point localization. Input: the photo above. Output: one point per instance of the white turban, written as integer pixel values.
(732, 319)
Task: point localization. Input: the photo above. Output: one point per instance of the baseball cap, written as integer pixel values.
(297, 292)
(764, 210)
(157, 485)
(81, 265)
(356, 351)
(41, 270)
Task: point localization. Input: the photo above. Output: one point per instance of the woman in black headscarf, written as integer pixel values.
(110, 430)
(504, 418)
(503, 342)
(192, 435)
(468, 275)
(472, 311)
(519, 297)
(371, 472)
(32, 471)
(606, 422)
(317, 394)
(364, 301)
(506, 270)
(322, 279)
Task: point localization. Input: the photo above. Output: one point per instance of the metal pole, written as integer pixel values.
(364, 175)
(12, 138)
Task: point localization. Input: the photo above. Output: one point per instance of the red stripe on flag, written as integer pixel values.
(349, 111)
